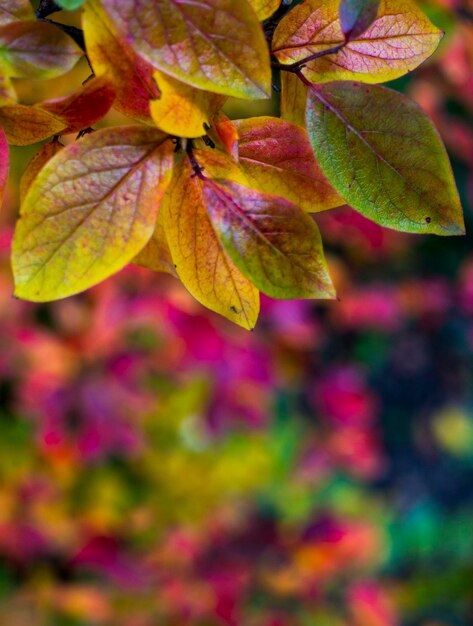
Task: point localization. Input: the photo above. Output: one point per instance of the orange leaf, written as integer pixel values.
(24, 125)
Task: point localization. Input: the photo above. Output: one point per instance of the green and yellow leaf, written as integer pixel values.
(215, 45)
(90, 211)
(273, 242)
(384, 156)
(32, 49)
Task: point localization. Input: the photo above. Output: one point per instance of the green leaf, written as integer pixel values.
(385, 158)
(272, 241)
(215, 45)
(70, 5)
(91, 209)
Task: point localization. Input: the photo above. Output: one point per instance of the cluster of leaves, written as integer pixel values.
(222, 204)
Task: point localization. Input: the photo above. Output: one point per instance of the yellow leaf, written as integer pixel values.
(201, 262)
(293, 99)
(264, 8)
(90, 211)
(398, 40)
(183, 110)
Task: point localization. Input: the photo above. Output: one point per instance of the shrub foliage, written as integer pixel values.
(224, 205)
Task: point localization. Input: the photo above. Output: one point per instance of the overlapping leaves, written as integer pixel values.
(220, 204)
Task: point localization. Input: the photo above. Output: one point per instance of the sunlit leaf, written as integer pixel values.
(90, 210)
(217, 45)
(32, 49)
(399, 40)
(356, 16)
(110, 55)
(384, 156)
(4, 163)
(293, 99)
(183, 110)
(36, 165)
(277, 158)
(270, 240)
(13, 10)
(264, 8)
(201, 262)
(24, 125)
(83, 107)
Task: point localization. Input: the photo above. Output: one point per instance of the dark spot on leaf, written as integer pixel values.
(428, 220)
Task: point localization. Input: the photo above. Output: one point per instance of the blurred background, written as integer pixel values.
(159, 466)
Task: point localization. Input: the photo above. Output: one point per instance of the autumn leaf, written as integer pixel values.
(264, 8)
(182, 110)
(14, 10)
(24, 125)
(90, 211)
(156, 255)
(201, 261)
(273, 242)
(384, 156)
(293, 99)
(399, 40)
(4, 163)
(109, 55)
(226, 133)
(84, 107)
(36, 165)
(277, 158)
(356, 16)
(216, 45)
(33, 49)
